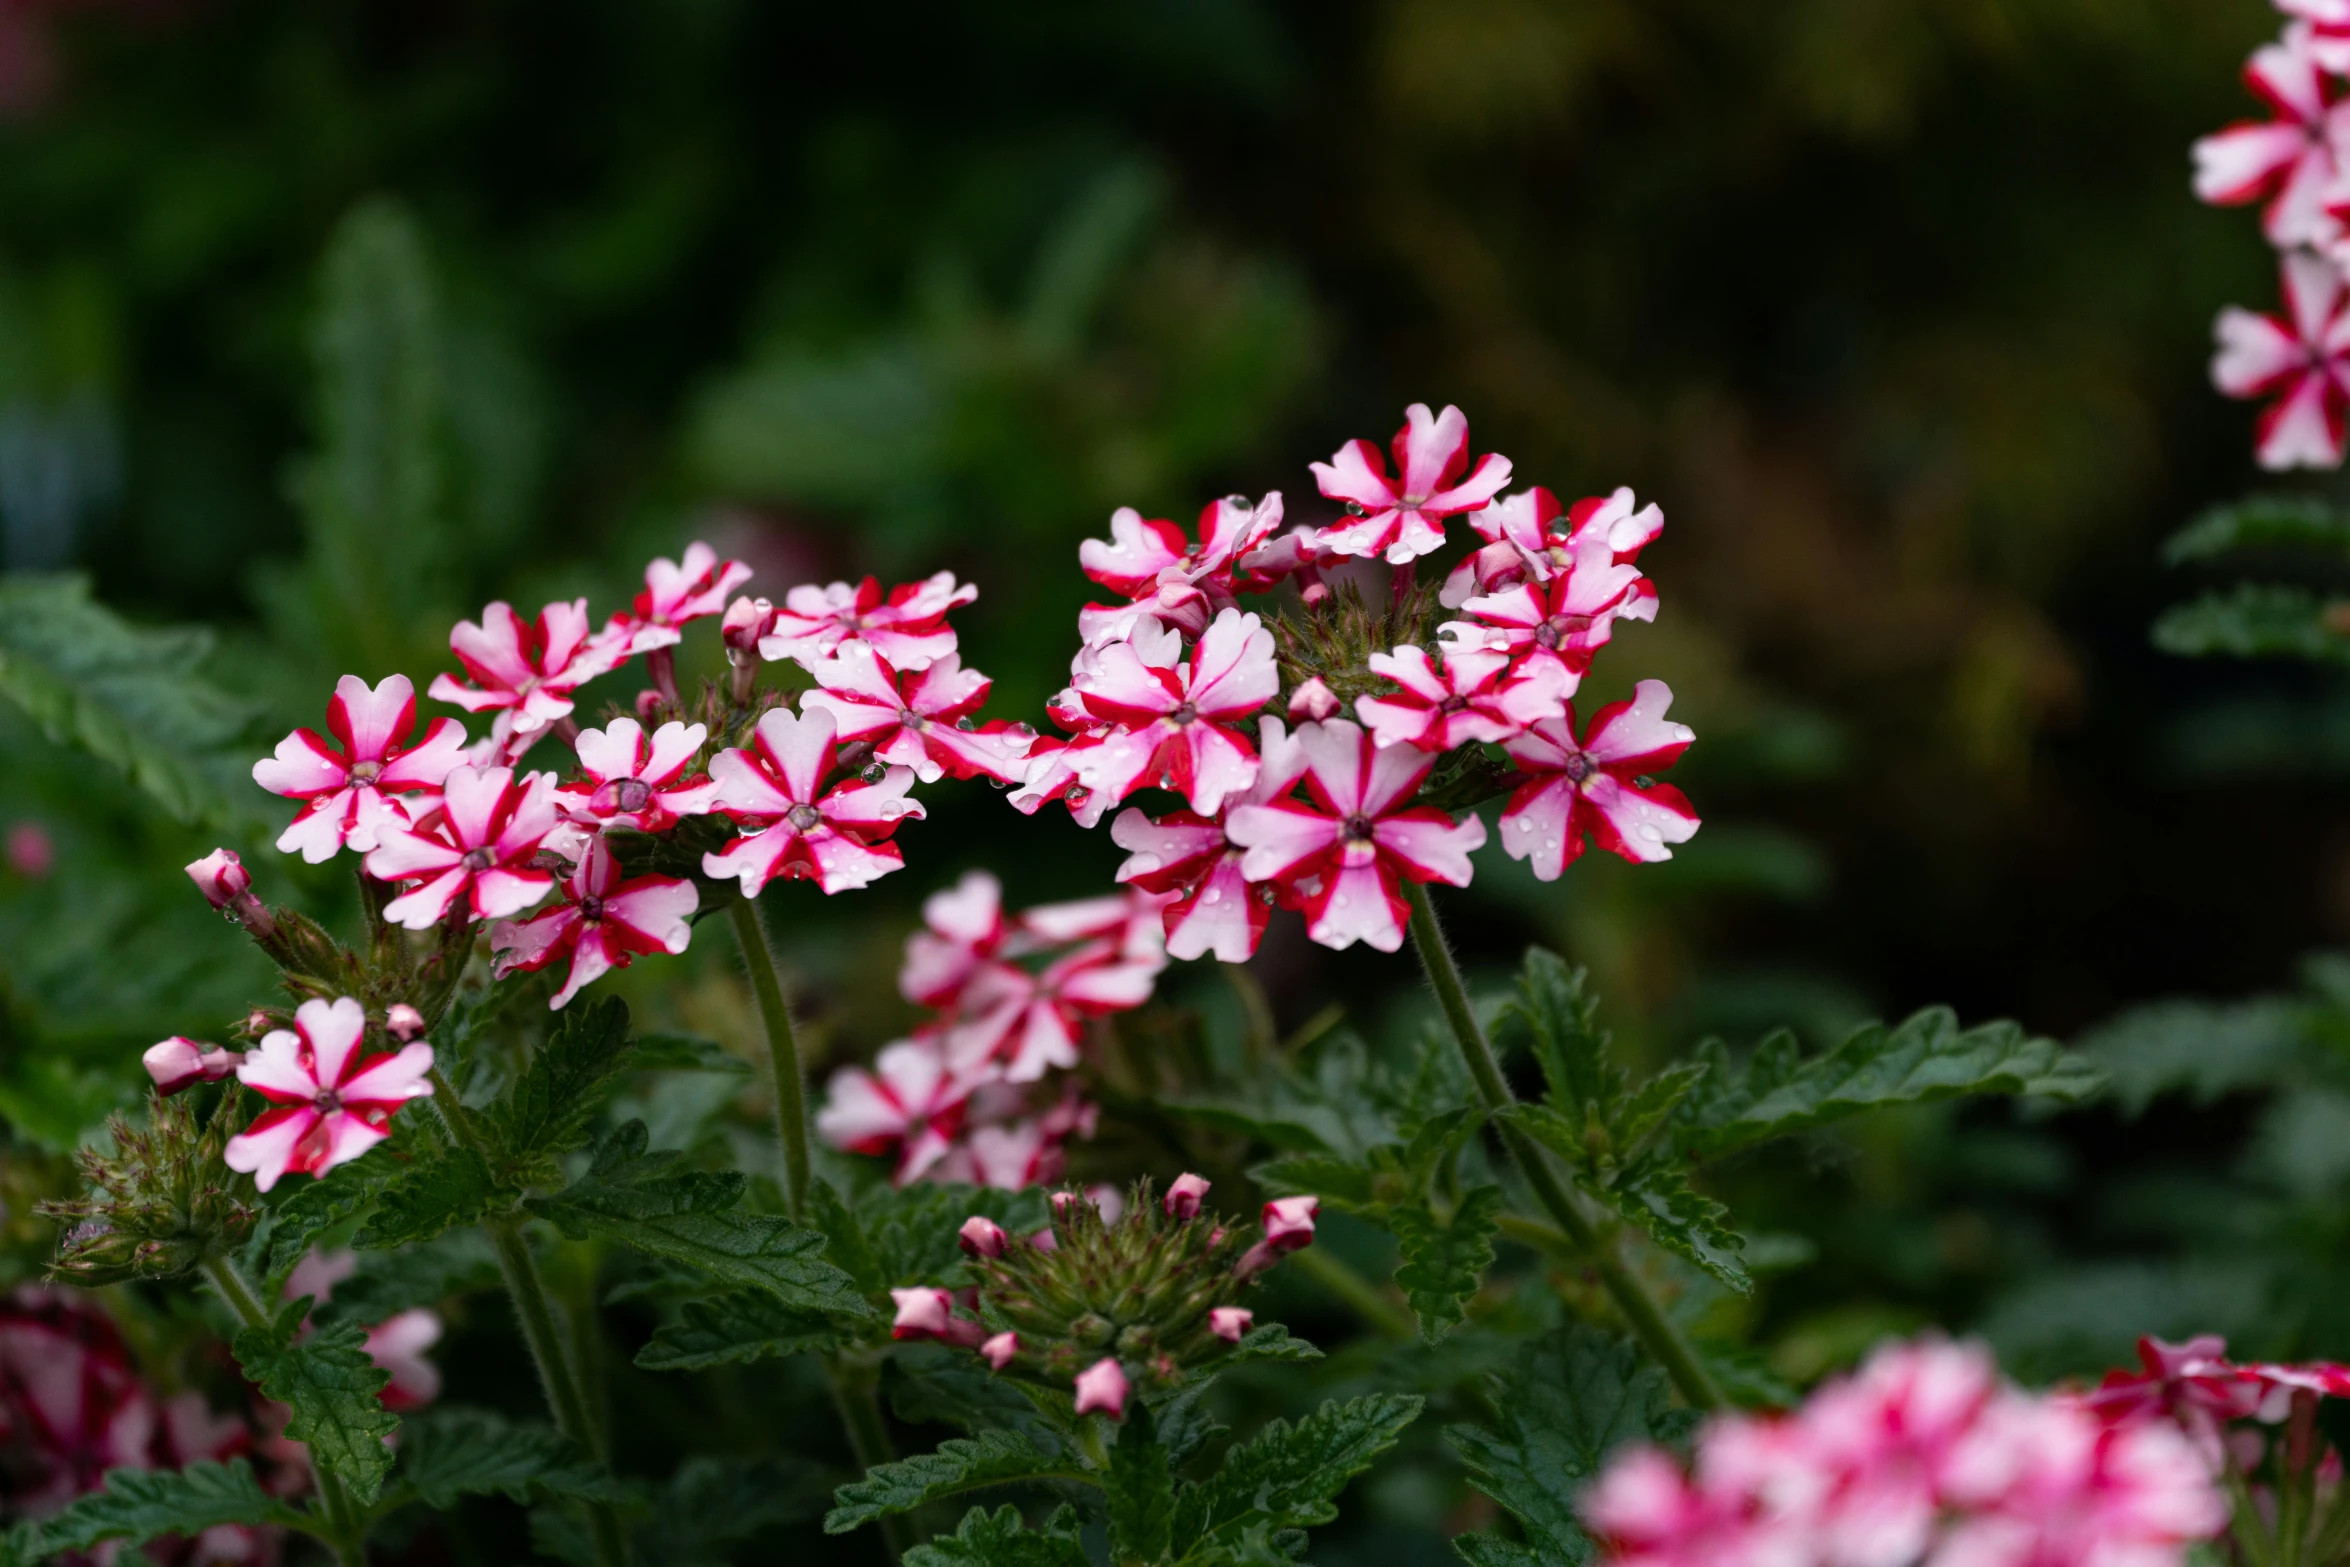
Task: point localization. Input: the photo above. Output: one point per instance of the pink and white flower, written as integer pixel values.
(963, 927)
(1195, 861)
(351, 787)
(1403, 519)
(1343, 855)
(1230, 1323)
(1051, 773)
(1162, 574)
(331, 1104)
(1010, 1156)
(526, 671)
(909, 1103)
(1597, 788)
(180, 1062)
(910, 629)
(1478, 696)
(1527, 535)
(1564, 618)
(929, 1313)
(981, 1236)
(2193, 1385)
(1101, 1389)
(397, 1345)
(837, 838)
(603, 923)
(1175, 719)
(640, 782)
(481, 845)
(1030, 1023)
(2301, 359)
(676, 594)
(2289, 160)
(70, 1402)
(917, 720)
(1003, 1349)
(1184, 1195)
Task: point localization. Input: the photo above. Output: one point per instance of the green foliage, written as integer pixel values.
(133, 698)
(1140, 1490)
(738, 1326)
(330, 1386)
(961, 1464)
(547, 1113)
(389, 1282)
(1927, 1058)
(305, 1211)
(2254, 620)
(1443, 1263)
(2262, 522)
(648, 1202)
(708, 1506)
(1559, 1412)
(999, 1539)
(449, 1452)
(932, 1384)
(443, 1189)
(2198, 1048)
(1287, 1477)
(139, 1504)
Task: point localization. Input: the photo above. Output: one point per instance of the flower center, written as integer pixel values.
(804, 818)
(621, 797)
(479, 860)
(366, 772)
(1558, 628)
(327, 1102)
(1579, 767)
(1453, 704)
(910, 719)
(1356, 829)
(591, 909)
(1184, 715)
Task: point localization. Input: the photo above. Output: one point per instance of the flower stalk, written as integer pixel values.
(1640, 1309)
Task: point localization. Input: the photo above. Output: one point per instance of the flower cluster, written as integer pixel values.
(1112, 1297)
(1009, 998)
(1179, 688)
(2293, 164)
(1922, 1456)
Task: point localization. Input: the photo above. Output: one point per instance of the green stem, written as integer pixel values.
(1368, 1300)
(853, 1394)
(558, 1378)
(336, 1511)
(783, 1052)
(1640, 1309)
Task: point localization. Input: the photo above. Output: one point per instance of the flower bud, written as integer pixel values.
(32, 853)
(1289, 1225)
(649, 703)
(1045, 1240)
(221, 877)
(1183, 1196)
(746, 621)
(929, 1313)
(179, 1062)
(403, 1022)
(1230, 1322)
(998, 1351)
(1313, 701)
(981, 1236)
(1101, 1387)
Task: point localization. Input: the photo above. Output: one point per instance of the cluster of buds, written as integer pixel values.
(1009, 997)
(1104, 1305)
(160, 1203)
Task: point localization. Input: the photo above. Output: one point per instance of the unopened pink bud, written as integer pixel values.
(649, 703)
(1230, 1322)
(1313, 701)
(179, 1062)
(981, 1236)
(929, 1313)
(1101, 1388)
(1107, 1201)
(221, 877)
(1289, 1225)
(746, 621)
(1183, 1196)
(1044, 1240)
(1061, 1201)
(998, 1351)
(32, 853)
(403, 1022)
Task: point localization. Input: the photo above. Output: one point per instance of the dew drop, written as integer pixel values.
(1212, 895)
(1649, 832)
(1143, 864)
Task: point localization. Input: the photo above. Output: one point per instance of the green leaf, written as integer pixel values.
(997, 1539)
(1348, 1185)
(2262, 522)
(1141, 1491)
(2254, 620)
(712, 1503)
(139, 1504)
(685, 1053)
(915, 1231)
(546, 1114)
(331, 1387)
(960, 1464)
(1267, 1341)
(435, 1194)
(930, 1384)
(1442, 1264)
(1929, 1057)
(1559, 1410)
(1658, 1198)
(844, 1238)
(1559, 1019)
(739, 1326)
(307, 1212)
(647, 1202)
(449, 1452)
(130, 696)
(1288, 1476)
(2201, 1049)
(390, 1282)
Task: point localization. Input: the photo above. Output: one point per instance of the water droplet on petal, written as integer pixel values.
(1143, 864)
(1212, 895)
(1648, 831)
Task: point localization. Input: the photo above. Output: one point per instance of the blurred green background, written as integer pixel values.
(1900, 308)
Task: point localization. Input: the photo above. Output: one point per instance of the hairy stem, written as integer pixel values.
(1366, 1299)
(559, 1379)
(783, 1052)
(1640, 1309)
(336, 1511)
